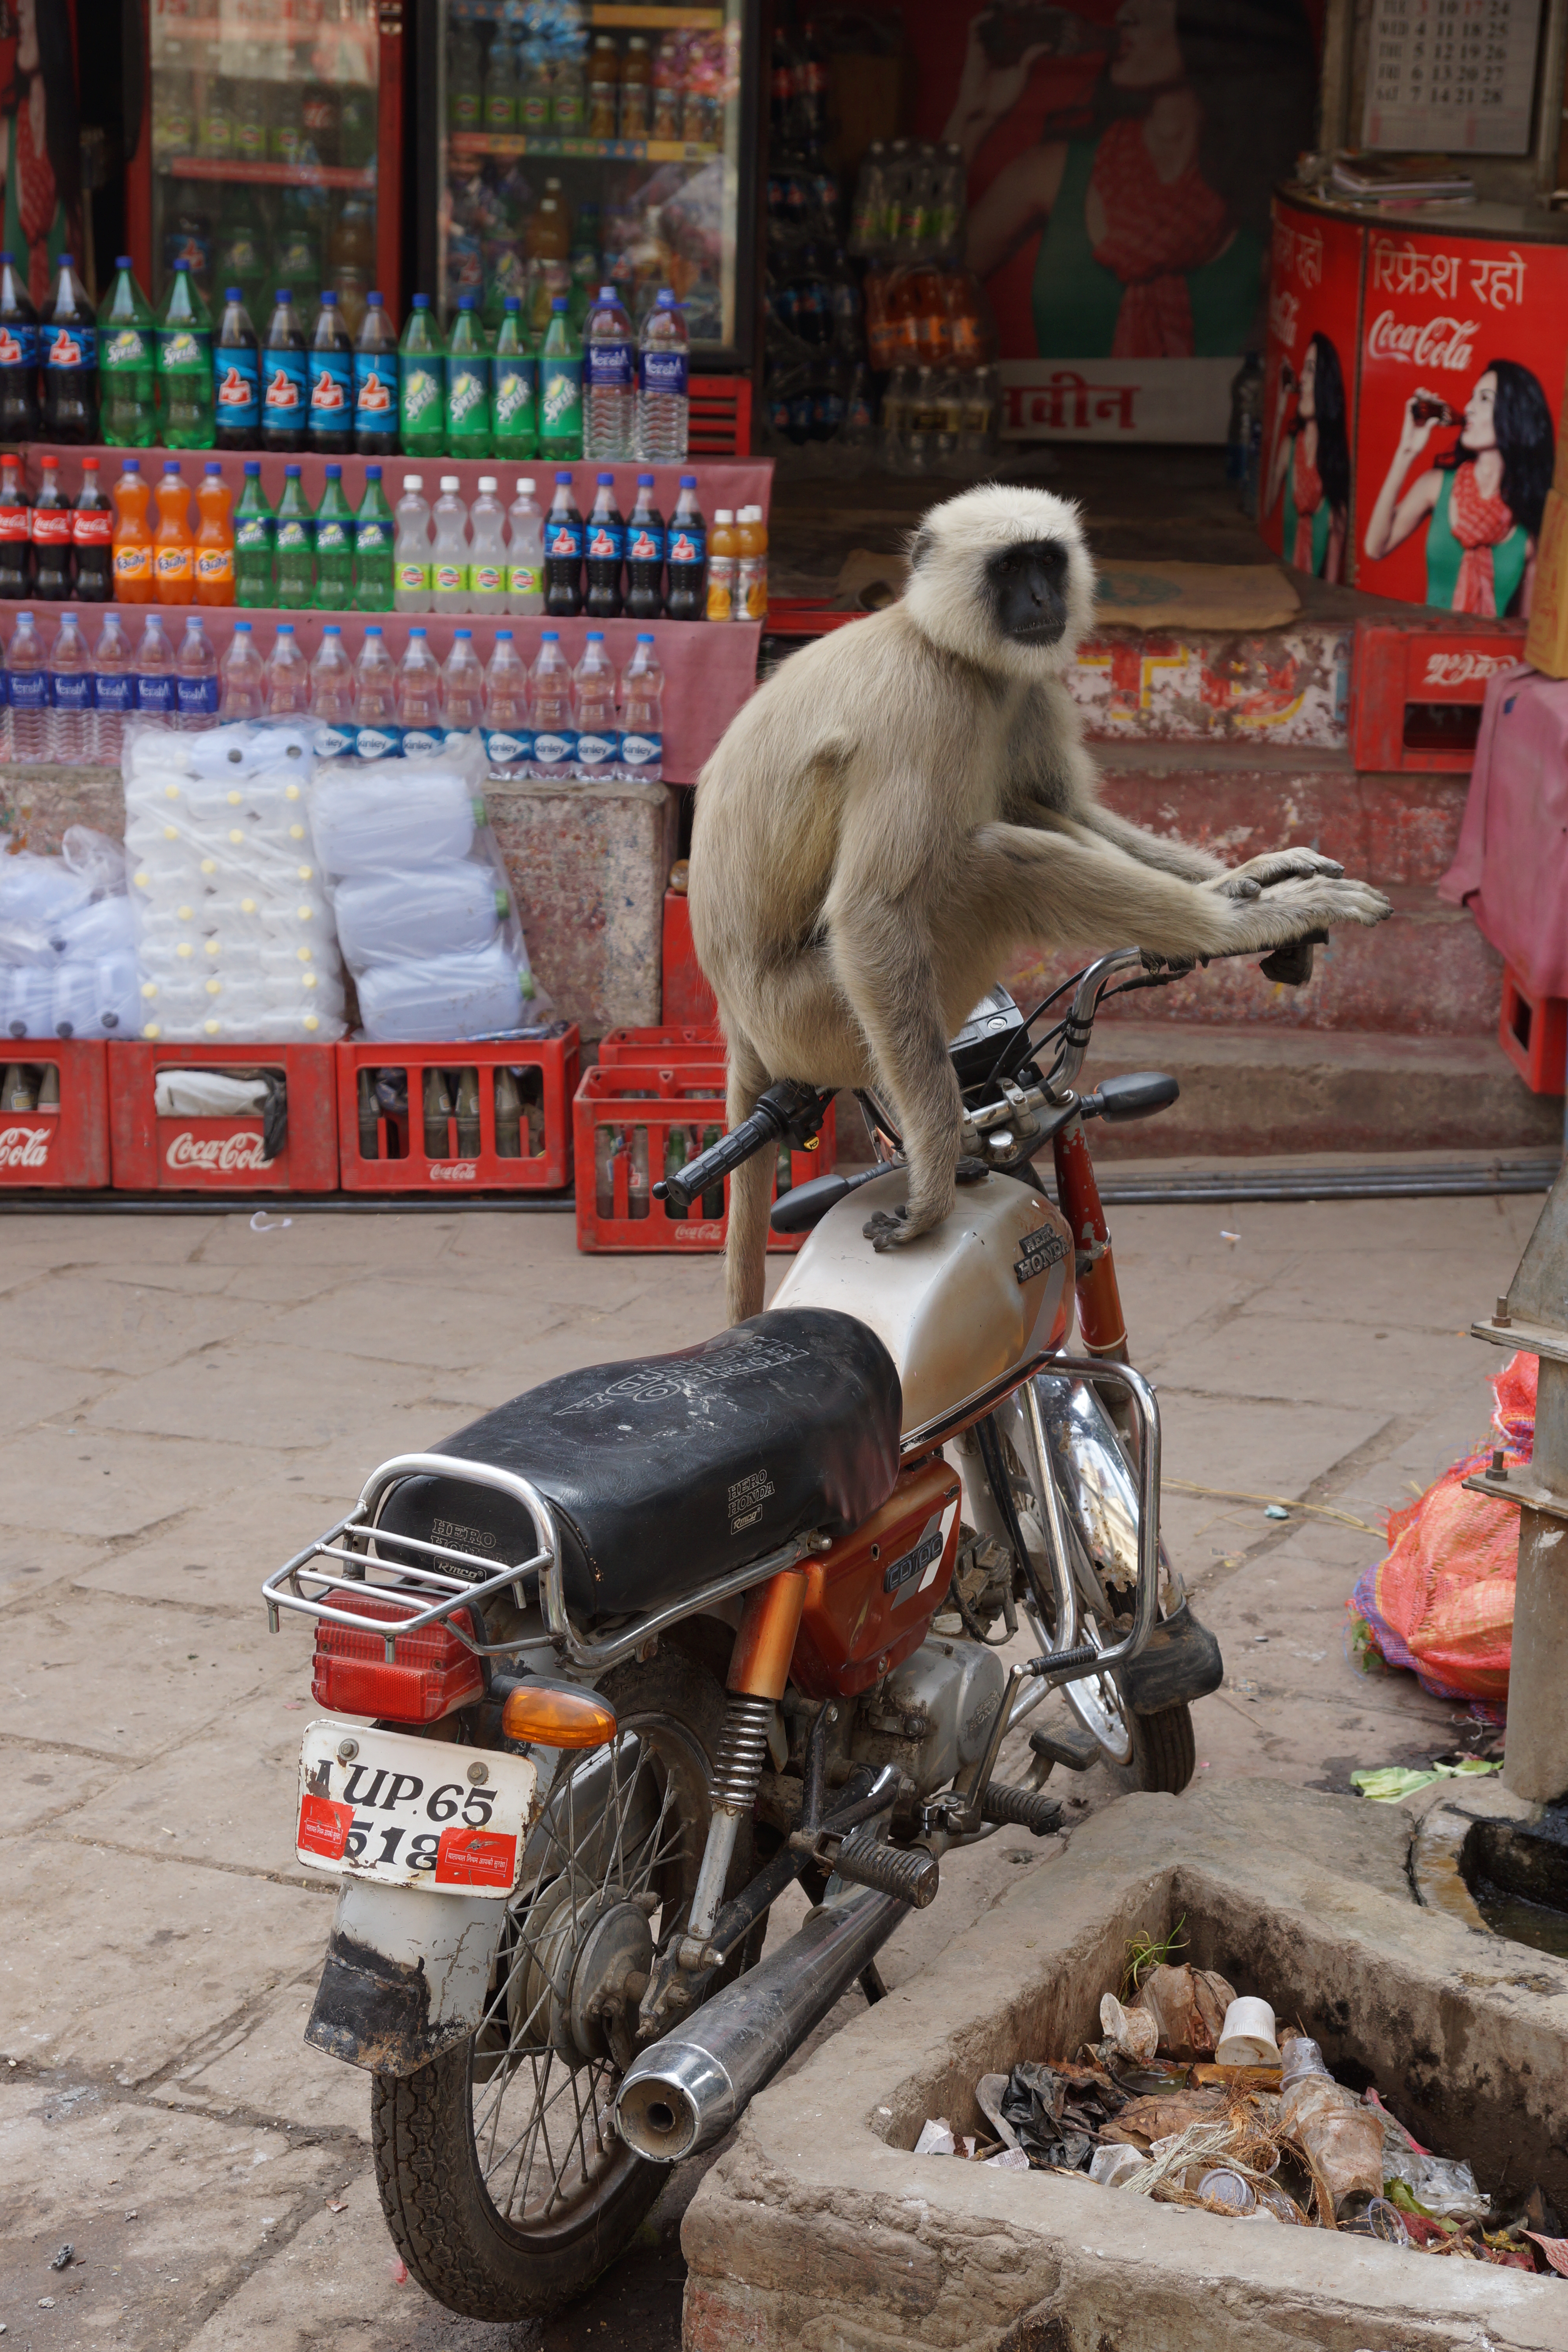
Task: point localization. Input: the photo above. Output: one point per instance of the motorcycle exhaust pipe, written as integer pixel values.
(683, 2094)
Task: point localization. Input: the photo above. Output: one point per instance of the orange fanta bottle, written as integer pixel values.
(174, 556)
(133, 537)
(214, 539)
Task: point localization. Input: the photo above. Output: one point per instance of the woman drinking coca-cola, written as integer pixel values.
(1311, 463)
(1481, 500)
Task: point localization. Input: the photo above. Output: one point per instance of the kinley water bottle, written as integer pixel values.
(419, 698)
(28, 685)
(641, 754)
(462, 690)
(332, 697)
(509, 741)
(242, 677)
(593, 701)
(550, 711)
(377, 735)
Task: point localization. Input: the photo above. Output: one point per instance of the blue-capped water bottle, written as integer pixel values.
(594, 710)
(550, 712)
(509, 739)
(609, 381)
(663, 359)
(641, 754)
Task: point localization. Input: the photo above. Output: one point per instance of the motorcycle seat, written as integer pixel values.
(665, 1472)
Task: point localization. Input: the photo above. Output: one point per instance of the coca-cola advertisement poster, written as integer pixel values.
(1304, 507)
(1463, 347)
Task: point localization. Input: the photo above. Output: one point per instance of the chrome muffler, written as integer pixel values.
(684, 2091)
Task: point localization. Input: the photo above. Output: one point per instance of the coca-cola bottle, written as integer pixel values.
(15, 536)
(51, 522)
(93, 537)
(68, 349)
(19, 356)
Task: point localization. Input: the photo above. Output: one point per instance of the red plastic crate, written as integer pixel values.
(719, 418)
(1532, 1031)
(1417, 686)
(678, 1043)
(189, 1154)
(624, 1098)
(401, 1163)
(687, 996)
(64, 1147)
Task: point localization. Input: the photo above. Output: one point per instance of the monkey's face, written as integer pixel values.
(1001, 576)
(1027, 587)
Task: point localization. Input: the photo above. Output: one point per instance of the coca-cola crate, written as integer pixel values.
(677, 1044)
(1532, 1031)
(687, 996)
(626, 1116)
(1417, 687)
(63, 1140)
(192, 1153)
(385, 1136)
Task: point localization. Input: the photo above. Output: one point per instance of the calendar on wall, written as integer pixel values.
(1454, 76)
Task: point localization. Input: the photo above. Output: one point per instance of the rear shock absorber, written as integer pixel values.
(737, 1773)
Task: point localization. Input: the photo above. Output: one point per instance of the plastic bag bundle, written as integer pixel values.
(68, 949)
(422, 900)
(234, 927)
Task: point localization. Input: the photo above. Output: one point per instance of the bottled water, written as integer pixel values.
(462, 688)
(377, 733)
(419, 698)
(70, 693)
(608, 380)
(155, 673)
(242, 677)
(594, 710)
(487, 556)
(332, 697)
(113, 688)
(411, 554)
(508, 743)
(525, 568)
(28, 684)
(361, 829)
(641, 755)
(439, 910)
(662, 360)
(450, 552)
(195, 679)
(287, 676)
(417, 1001)
(550, 711)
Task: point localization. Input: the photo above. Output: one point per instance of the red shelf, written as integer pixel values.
(268, 175)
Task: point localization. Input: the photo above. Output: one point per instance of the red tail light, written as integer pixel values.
(431, 1674)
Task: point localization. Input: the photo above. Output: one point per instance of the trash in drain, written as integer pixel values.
(1197, 2097)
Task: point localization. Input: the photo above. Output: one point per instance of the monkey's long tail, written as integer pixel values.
(751, 1186)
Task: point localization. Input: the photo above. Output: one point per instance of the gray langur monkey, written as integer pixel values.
(905, 806)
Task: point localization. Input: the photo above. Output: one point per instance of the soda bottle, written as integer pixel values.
(287, 676)
(255, 531)
(214, 538)
(377, 735)
(560, 387)
(334, 546)
(236, 378)
(375, 382)
(662, 401)
(50, 523)
(373, 548)
(462, 688)
(644, 556)
(516, 386)
(127, 362)
(185, 364)
(500, 86)
(450, 552)
(465, 80)
(604, 546)
(296, 545)
(332, 697)
(641, 755)
(608, 380)
(687, 598)
(563, 552)
(411, 551)
(487, 556)
(469, 429)
(419, 698)
(593, 712)
(723, 557)
(751, 572)
(173, 551)
(319, 125)
(19, 356)
(28, 686)
(15, 530)
(195, 679)
(285, 380)
(239, 260)
(70, 693)
(93, 537)
(509, 744)
(68, 345)
(550, 711)
(331, 370)
(113, 688)
(242, 677)
(155, 673)
(422, 393)
(534, 97)
(525, 566)
(133, 539)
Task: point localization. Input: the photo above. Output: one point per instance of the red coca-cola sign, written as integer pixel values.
(27, 1147)
(214, 1151)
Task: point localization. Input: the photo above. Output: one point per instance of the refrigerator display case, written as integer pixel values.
(271, 150)
(569, 143)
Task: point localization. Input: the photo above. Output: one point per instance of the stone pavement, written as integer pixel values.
(167, 1385)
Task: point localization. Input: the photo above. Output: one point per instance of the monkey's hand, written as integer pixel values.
(1290, 909)
(1277, 866)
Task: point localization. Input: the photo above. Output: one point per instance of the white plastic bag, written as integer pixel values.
(66, 941)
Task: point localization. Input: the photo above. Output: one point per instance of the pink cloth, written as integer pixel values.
(1510, 868)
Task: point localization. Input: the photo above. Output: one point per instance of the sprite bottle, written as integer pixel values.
(334, 546)
(470, 430)
(560, 389)
(127, 365)
(516, 387)
(254, 531)
(184, 340)
(296, 545)
(422, 388)
(373, 529)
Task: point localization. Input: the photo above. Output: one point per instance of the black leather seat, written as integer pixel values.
(667, 1471)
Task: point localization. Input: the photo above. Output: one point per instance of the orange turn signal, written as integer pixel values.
(558, 1715)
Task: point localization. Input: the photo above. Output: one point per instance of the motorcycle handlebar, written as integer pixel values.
(789, 1108)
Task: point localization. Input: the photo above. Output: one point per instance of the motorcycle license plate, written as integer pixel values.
(406, 1812)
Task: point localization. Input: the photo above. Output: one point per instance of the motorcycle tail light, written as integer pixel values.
(431, 1674)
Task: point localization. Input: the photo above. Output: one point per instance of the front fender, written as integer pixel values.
(405, 1976)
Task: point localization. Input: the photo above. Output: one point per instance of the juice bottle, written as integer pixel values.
(133, 537)
(173, 551)
(751, 574)
(214, 539)
(724, 558)
(637, 88)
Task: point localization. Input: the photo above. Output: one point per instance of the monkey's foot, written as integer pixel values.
(886, 1230)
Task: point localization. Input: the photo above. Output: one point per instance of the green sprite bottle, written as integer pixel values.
(560, 389)
(255, 531)
(127, 365)
(334, 546)
(373, 526)
(422, 388)
(470, 432)
(296, 545)
(184, 340)
(516, 387)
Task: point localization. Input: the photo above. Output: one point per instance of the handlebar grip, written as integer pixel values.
(720, 1159)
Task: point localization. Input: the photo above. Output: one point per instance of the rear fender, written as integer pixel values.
(406, 1976)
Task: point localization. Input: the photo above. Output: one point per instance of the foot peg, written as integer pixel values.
(908, 1872)
(1072, 1746)
(1024, 1809)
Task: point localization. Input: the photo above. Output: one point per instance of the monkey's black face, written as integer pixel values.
(1026, 584)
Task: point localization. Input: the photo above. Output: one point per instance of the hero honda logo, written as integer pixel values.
(25, 1146)
(1439, 342)
(215, 1155)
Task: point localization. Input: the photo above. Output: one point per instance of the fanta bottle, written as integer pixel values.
(173, 551)
(214, 539)
(133, 535)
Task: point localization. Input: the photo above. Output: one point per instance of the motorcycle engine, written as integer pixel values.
(933, 1714)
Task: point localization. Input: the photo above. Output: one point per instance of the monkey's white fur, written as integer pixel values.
(904, 807)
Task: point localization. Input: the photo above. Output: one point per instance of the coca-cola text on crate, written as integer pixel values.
(54, 1113)
(184, 1152)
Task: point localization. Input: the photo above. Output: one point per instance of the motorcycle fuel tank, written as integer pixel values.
(959, 1308)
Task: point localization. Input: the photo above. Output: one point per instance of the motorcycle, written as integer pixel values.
(622, 1661)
